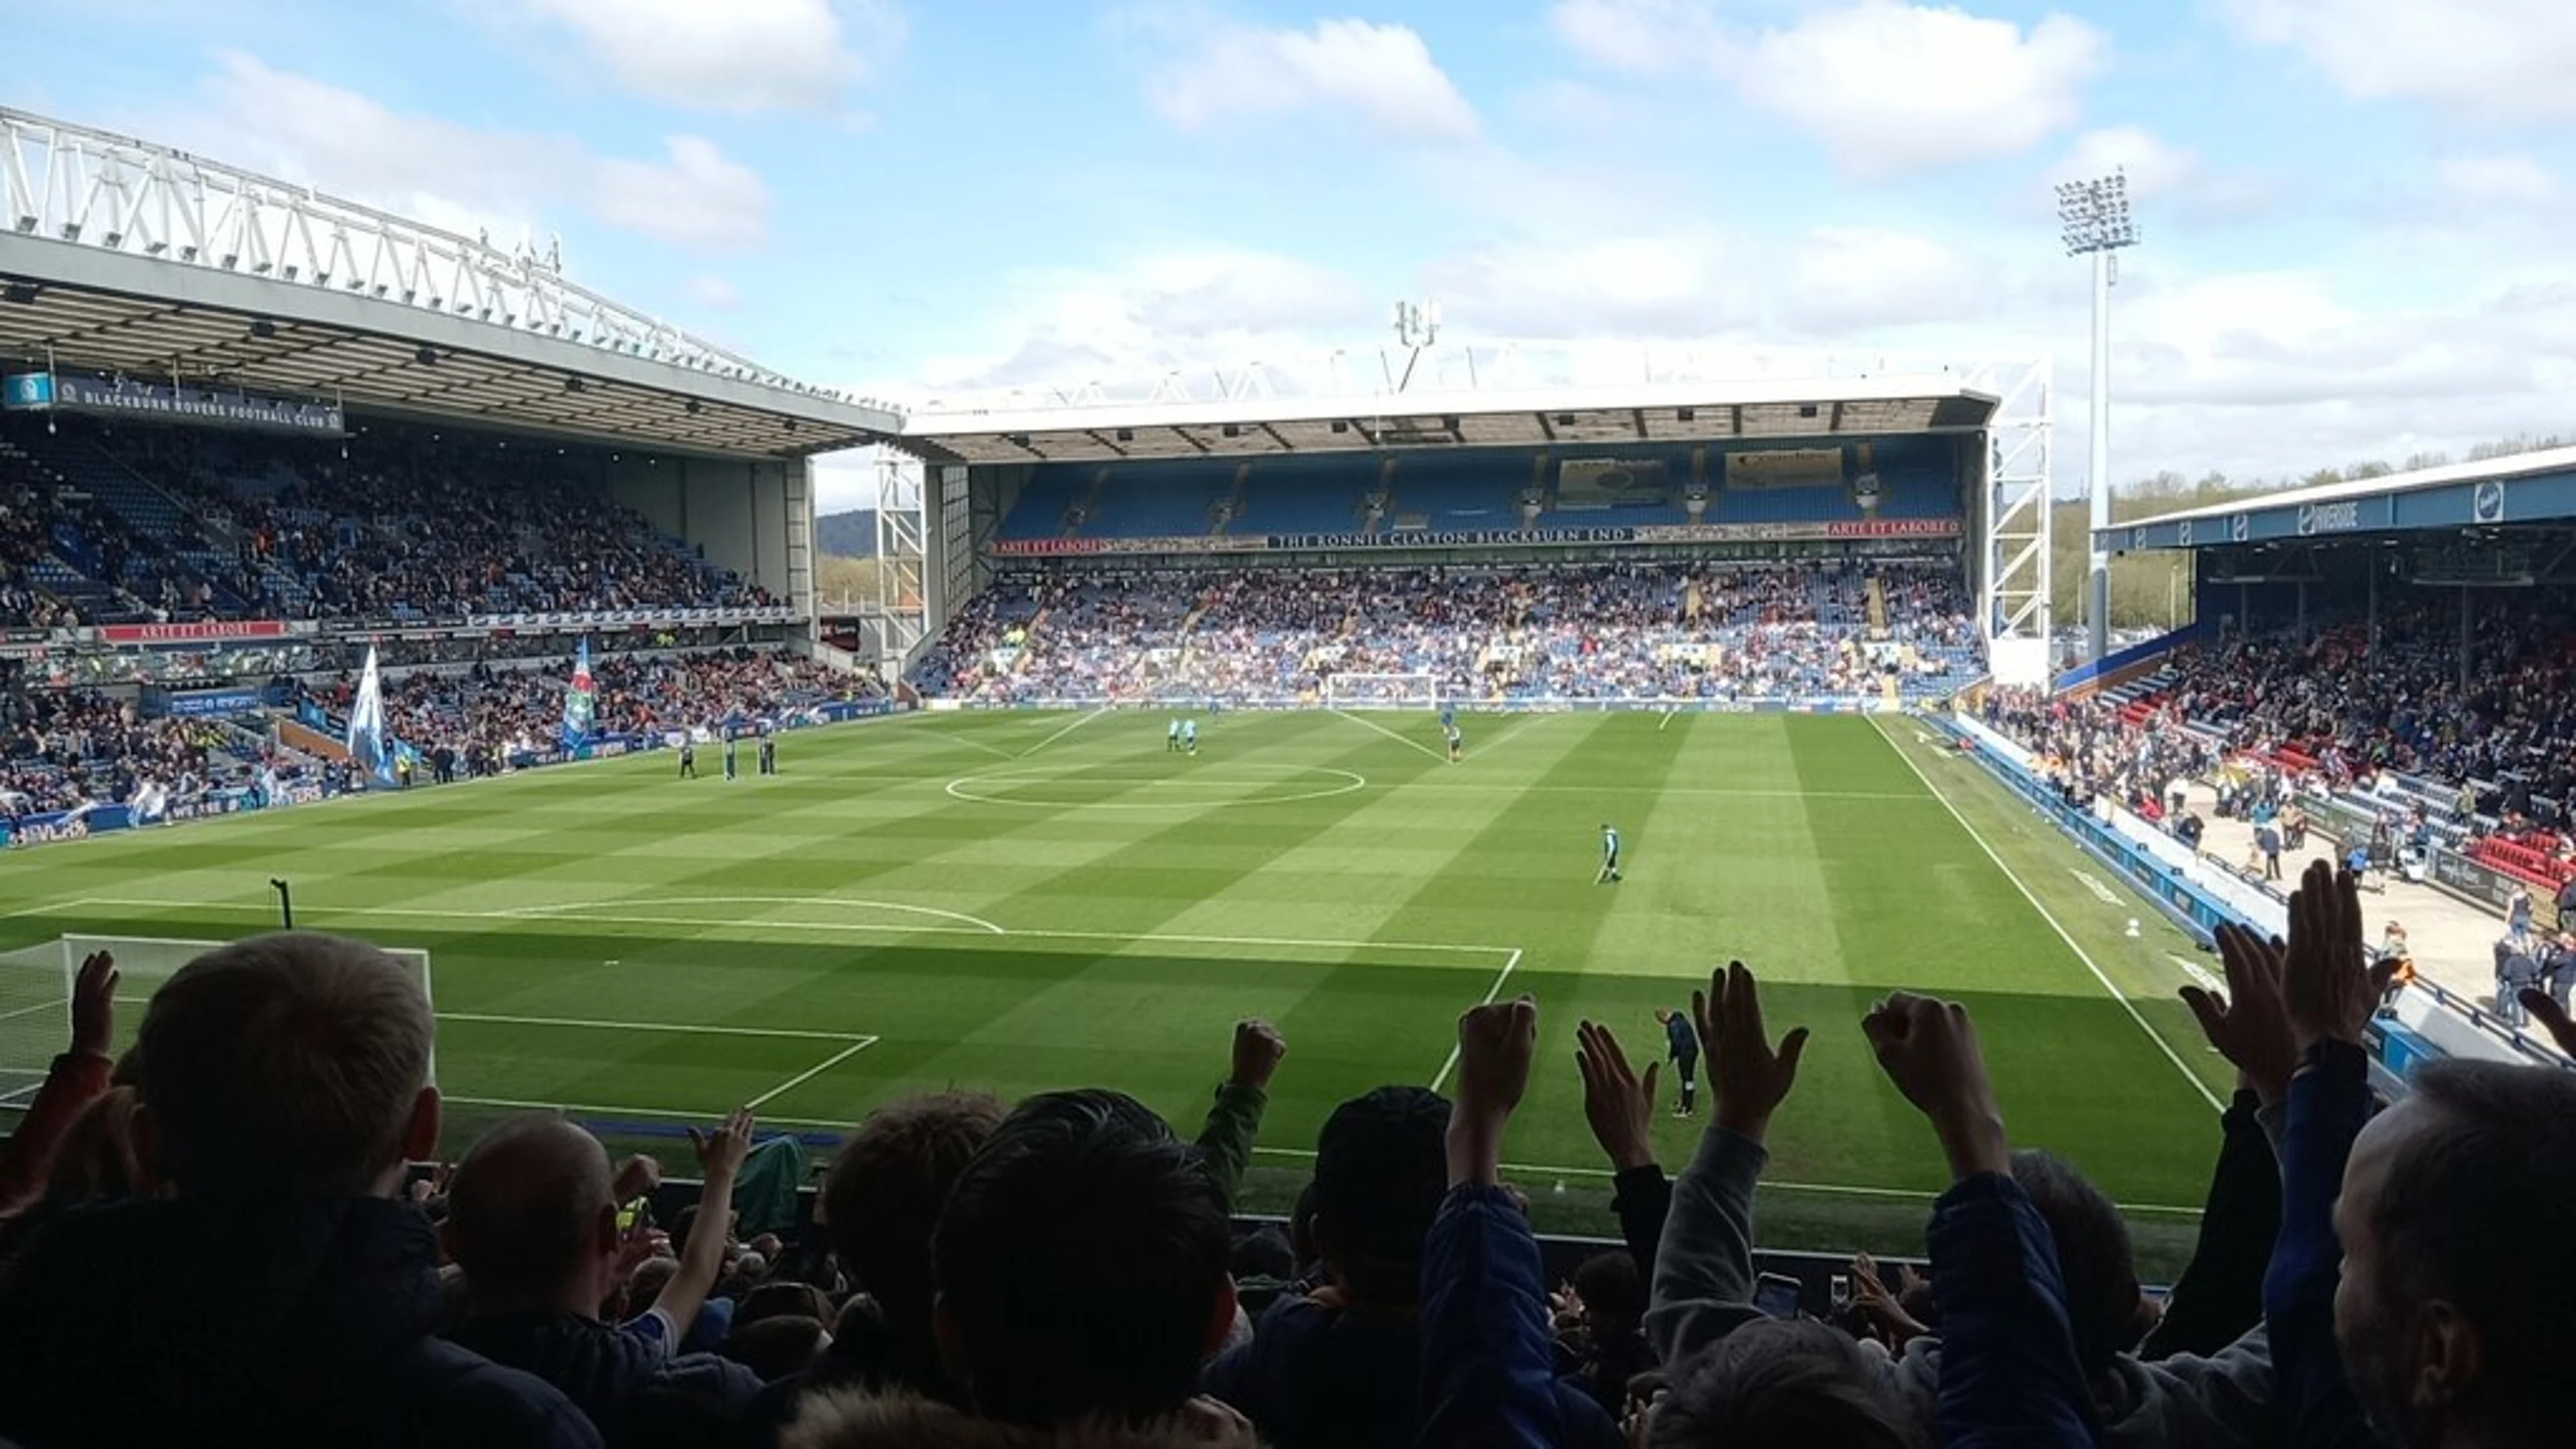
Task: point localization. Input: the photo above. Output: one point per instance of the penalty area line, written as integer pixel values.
(1060, 734)
(1493, 993)
(2054, 924)
(1409, 744)
(810, 1073)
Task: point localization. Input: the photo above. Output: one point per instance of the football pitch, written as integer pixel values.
(1020, 901)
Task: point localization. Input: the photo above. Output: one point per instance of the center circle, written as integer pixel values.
(1201, 788)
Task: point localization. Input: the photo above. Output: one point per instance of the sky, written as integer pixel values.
(2353, 212)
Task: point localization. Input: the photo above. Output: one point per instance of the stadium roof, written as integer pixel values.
(2527, 488)
(1759, 410)
(121, 257)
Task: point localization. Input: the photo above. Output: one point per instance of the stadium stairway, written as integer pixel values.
(1877, 607)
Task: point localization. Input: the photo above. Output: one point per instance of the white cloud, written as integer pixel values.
(734, 56)
(1187, 309)
(1886, 87)
(714, 293)
(1380, 77)
(463, 178)
(1647, 285)
(1853, 282)
(2153, 167)
(2498, 59)
(2496, 179)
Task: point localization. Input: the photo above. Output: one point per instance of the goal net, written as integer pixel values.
(36, 997)
(1382, 691)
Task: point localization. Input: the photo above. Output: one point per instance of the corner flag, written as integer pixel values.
(369, 749)
(581, 703)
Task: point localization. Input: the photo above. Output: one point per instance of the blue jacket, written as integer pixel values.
(2329, 1104)
(1488, 1352)
(2009, 1375)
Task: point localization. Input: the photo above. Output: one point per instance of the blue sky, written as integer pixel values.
(2353, 209)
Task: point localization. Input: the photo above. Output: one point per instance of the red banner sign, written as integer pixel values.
(210, 632)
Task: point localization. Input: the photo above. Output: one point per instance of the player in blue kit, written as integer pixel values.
(1190, 735)
(1683, 1044)
(1172, 737)
(1609, 855)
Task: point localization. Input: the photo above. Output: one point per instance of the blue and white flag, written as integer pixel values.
(581, 702)
(369, 748)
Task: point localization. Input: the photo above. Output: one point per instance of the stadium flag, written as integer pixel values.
(369, 749)
(581, 704)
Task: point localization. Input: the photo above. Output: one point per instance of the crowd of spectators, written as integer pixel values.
(486, 717)
(63, 748)
(1604, 631)
(207, 527)
(221, 1238)
(68, 747)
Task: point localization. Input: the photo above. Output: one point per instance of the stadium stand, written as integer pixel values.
(2479, 760)
(1623, 632)
(161, 525)
(1447, 492)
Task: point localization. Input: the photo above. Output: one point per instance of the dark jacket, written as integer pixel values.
(2009, 1376)
(1317, 1375)
(262, 1321)
(634, 1388)
(1488, 1349)
(2220, 1294)
(849, 1420)
(2329, 1104)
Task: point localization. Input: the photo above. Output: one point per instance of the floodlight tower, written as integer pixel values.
(2095, 215)
(1416, 329)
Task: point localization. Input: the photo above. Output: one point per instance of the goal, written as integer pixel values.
(1382, 691)
(36, 997)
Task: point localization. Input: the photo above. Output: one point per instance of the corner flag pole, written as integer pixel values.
(285, 903)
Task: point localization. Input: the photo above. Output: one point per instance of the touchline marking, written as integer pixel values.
(1450, 948)
(1060, 734)
(2063, 934)
(810, 1073)
(679, 1028)
(1914, 1194)
(61, 1005)
(1667, 722)
(1492, 994)
(1410, 744)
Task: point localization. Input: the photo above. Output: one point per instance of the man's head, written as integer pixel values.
(2093, 1255)
(1081, 1264)
(882, 1197)
(2451, 1326)
(531, 1217)
(294, 1060)
(1783, 1385)
(1381, 1169)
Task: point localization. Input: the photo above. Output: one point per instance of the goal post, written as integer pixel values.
(36, 997)
(1381, 691)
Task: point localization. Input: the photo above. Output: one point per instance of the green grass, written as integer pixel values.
(1024, 901)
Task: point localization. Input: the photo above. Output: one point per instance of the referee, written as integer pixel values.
(1683, 1043)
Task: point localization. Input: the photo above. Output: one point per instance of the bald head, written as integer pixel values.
(530, 1211)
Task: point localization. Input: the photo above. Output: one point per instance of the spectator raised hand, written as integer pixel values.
(1619, 1105)
(94, 1006)
(1929, 1049)
(2328, 989)
(1258, 1050)
(1496, 1045)
(2552, 1017)
(1750, 1077)
(2250, 1025)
